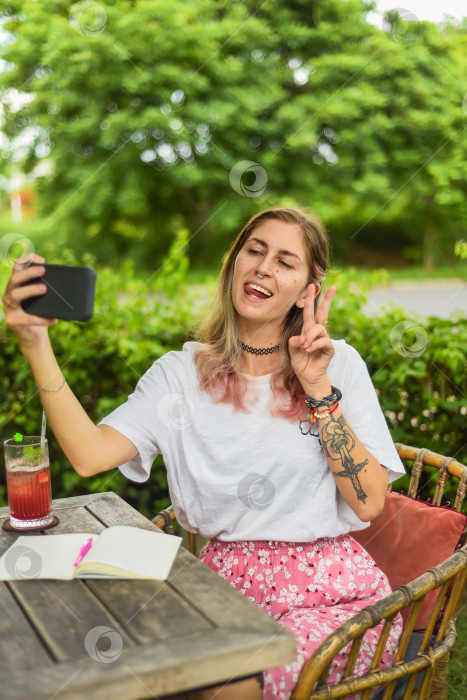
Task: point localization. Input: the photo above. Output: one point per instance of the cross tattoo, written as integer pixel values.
(338, 440)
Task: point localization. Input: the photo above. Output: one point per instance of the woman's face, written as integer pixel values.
(277, 250)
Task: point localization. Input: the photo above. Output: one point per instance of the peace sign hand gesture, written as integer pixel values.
(312, 350)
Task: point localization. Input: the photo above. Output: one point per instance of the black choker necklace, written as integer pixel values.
(259, 351)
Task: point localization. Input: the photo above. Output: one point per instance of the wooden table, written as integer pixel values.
(158, 638)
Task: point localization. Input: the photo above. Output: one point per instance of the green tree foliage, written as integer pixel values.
(460, 249)
(146, 107)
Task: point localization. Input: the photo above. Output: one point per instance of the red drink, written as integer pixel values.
(29, 492)
(28, 483)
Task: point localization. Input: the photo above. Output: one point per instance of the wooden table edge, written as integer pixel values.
(73, 680)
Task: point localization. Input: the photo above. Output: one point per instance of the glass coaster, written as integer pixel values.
(6, 525)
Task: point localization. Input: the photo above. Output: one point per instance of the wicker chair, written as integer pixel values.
(421, 663)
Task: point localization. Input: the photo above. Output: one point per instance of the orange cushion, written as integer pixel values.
(409, 537)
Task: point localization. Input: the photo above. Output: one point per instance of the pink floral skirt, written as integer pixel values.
(311, 588)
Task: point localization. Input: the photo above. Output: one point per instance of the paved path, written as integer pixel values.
(427, 297)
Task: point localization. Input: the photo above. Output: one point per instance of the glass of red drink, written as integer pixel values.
(28, 483)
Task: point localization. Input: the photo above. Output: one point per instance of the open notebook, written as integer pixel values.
(118, 552)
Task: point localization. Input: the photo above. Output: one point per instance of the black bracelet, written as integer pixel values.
(336, 395)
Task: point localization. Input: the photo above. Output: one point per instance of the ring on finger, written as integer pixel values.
(10, 304)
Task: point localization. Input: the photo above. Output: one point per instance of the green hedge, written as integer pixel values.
(418, 367)
(419, 373)
(134, 323)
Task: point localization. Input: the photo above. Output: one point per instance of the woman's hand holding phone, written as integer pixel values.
(30, 330)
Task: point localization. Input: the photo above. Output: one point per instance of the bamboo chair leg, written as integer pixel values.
(192, 542)
(439, 685)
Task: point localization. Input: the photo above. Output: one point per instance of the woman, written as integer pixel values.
(279, 448)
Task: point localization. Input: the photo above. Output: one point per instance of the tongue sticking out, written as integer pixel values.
(255, 292)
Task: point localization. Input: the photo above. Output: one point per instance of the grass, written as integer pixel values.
(457, 270)
(457, 673)
(202, 276)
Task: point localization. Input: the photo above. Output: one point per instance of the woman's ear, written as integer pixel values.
(301, 302)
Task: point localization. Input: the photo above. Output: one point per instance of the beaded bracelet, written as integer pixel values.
(328, 403)
(313, 415)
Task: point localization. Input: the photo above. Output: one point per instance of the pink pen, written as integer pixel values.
(84, 550)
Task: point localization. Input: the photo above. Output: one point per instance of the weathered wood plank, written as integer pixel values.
(76, 519)
(20, 648)
(154, 670)
(74, 501)
(64, 613)
(113, 510)
(149, 610)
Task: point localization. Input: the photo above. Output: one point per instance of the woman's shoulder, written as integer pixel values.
(175, 364)
(346, 366)
(178, 358)
(345, 353)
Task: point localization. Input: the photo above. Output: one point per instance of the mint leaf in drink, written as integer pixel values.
(18, 437)
(31, 453)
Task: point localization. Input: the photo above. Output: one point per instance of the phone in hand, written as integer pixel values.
(69, 296)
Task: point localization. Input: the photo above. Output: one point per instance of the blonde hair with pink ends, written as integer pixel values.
(218, 359)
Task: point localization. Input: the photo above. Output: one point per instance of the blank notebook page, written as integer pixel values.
(132, 549)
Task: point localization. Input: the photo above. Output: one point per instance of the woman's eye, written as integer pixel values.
(252, 251)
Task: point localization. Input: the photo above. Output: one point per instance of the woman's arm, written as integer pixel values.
(360, 478)
(90, 449)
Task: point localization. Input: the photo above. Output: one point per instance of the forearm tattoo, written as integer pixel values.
(338, 441)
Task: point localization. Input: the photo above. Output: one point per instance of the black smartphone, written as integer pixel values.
(69, 296)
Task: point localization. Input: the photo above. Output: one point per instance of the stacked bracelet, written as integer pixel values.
(322, 408)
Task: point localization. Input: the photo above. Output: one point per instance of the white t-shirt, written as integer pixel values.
(248, 476)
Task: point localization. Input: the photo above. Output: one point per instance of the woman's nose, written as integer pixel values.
(264, 267)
